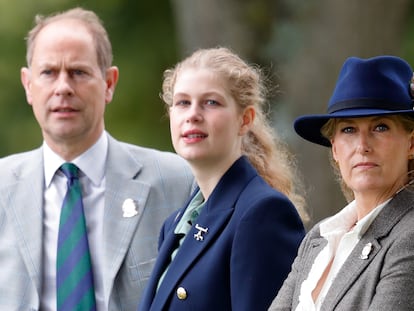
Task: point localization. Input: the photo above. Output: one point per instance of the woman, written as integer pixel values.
(246, 231)
(362, 258)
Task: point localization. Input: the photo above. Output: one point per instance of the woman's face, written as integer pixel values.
(372, 154)
(205, 121)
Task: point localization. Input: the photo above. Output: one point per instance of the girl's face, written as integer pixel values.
(372, 154)
(205, 121)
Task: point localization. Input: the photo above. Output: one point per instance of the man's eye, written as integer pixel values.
(77, 72)
(46, 72)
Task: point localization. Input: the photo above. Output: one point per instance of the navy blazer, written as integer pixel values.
(253, 234)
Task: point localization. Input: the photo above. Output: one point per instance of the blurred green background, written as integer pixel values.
(143, 39)
(300, 44)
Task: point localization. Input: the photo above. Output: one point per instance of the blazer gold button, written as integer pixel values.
(181, 293)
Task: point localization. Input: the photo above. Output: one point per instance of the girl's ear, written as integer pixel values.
(248, 116)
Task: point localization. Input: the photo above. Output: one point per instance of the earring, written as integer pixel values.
(410, 156)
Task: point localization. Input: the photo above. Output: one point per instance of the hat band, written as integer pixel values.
(368, 104)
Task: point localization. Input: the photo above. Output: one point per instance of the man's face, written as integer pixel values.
(66, 87)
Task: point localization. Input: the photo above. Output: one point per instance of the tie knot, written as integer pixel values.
(70, 170)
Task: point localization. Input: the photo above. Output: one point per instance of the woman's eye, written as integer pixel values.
(348, 129)
(381, 128)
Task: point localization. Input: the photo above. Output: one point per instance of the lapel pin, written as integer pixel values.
(366, 251)
(129, 208)
(199, 235)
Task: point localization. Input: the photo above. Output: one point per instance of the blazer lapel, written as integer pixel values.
(23, 201)
(119, 227)
(189, 251)
(170, 243)
(350, 271)
(367, 248)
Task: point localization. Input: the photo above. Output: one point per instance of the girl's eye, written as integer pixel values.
(211, 102)
(182, 103)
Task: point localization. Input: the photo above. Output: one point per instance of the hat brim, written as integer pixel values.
(309, 126)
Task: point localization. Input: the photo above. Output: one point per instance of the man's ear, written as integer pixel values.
(25, 78)
(112, 75)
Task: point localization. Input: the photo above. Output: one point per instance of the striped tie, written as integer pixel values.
(74, 278)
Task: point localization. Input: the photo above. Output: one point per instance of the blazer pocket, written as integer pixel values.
(142, 271)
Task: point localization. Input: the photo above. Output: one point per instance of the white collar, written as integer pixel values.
(91, 162)
(345, 219)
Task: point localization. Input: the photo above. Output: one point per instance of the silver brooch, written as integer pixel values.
(366, 251)
(199, 235)
(129, 208)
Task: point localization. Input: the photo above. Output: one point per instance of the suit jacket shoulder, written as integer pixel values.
(381, 280)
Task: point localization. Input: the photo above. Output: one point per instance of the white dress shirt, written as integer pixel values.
(343, 232)
(92, 178)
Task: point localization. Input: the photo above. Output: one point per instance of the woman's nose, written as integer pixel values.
(364, 144)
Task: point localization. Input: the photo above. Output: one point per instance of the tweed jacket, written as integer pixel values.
(251, 237)
(159, 182)
(381, 280)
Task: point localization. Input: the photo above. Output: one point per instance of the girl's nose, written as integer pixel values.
(194, 113)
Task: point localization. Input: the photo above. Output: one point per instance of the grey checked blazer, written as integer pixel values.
(159, 182)
(382, 282)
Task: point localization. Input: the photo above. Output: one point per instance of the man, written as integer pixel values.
(127, 191)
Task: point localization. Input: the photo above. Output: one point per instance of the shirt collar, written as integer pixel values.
(91, 162)
(344, 220)
(196, 204)
(340, 222)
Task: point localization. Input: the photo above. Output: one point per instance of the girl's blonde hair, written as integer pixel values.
(264, 149)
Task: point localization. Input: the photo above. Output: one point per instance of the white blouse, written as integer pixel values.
(343, 232)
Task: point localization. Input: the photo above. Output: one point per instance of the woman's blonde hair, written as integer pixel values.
(328, 131)
(264, 149)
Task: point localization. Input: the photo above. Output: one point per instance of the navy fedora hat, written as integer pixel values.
(365, 87)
